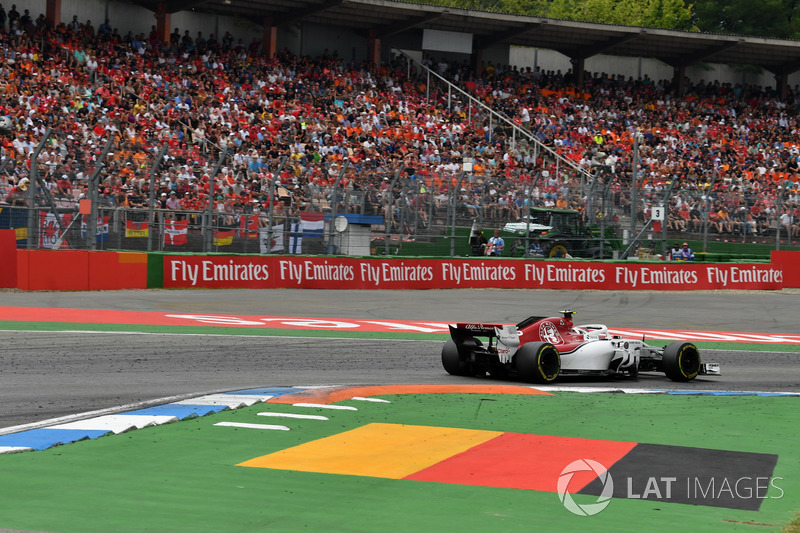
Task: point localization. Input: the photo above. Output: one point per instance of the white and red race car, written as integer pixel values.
(540, 349)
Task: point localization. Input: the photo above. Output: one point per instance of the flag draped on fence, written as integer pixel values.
(313, 224)
(296, 238)
(223, 237)
(49, 231)
(176, 232)
(251, 221)
(136, 228)
(16, 219)
(274, 244)
(102, 228)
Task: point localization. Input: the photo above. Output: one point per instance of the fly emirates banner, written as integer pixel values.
(268, 272)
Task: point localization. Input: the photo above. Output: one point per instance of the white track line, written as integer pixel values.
(326, 406)
(14, 449)
(363, 399)
(292, 415)
(579, 388)
(252, 426)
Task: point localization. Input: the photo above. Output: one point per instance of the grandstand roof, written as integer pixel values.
(574, 39)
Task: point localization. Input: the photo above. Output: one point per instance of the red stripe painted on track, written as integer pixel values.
(521, 461)
(102, 316)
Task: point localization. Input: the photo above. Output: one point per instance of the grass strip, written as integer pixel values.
(183, 477)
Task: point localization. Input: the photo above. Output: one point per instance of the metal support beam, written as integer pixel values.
(269, 41)
(489, 40)
(455, 208)
(584, 52)
(382, 32)
(638, 138)
(297, 14)
(208, 241)
(700, 55)
(665, 205)
(94, 195)
(271, 213)
(163, 21)
(635, 240)
(33, 224)
(335, 202)
(608, 44)
(53, 13)
(151, 204)
(707, 205)
(387, 218)
(174, 6)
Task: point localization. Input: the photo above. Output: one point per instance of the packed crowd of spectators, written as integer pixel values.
(304, 122)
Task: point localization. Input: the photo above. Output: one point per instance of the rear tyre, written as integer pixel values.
(453, 362)
(538, 362)
(681, 361)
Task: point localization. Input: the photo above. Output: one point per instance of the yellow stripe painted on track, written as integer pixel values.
(376, 450)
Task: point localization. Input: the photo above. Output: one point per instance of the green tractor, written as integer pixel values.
(562, 233)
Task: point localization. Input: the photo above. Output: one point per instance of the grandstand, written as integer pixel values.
(131, 125)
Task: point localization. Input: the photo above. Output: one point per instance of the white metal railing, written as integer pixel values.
(517, 129)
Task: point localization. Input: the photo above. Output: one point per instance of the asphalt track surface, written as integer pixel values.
(52, 374)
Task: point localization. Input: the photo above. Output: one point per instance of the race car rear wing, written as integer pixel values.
(467, 329)
(480, 329)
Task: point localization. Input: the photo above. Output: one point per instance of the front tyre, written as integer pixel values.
(538, 362)
(681, 361)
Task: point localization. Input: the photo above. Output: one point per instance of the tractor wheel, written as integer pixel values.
(558, 250)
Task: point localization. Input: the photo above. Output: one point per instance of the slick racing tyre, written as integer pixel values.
(538, 362)
(452, 361)
(681, 361)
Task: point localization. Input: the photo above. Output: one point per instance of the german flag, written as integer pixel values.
(223, 238)
(135, 228)
(460, 456)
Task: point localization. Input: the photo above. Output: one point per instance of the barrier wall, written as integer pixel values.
(353, 273)
(8, 259)
(84, 270)
(75, 270)
(789, 263)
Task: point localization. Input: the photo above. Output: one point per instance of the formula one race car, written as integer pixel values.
(540, 349)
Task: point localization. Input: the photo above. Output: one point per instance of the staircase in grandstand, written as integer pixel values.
(518, 132)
